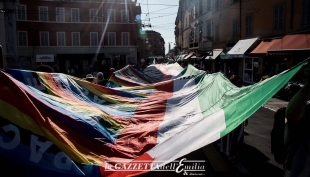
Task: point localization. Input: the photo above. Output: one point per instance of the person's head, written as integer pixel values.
(307, 72)
(196, 66)
(89, 78)
(44, 68)
(236, 80)
(100, 76)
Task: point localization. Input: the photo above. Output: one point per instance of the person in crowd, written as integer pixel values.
(231, 143)
(100, 79)
(229, 73)
(196, 66)
(90, 78)
(105, 69)
(55, 69)
(70, 71)
(297, 132)
(95, 73)
(112, 70)
(44, 68)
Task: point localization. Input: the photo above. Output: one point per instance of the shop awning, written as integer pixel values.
(291, 42)
(188, 56)
(264, 46)
(197, 57)
(41, 58)
(241, 47)
(216, 53)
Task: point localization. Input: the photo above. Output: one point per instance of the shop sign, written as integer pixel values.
(45, 58)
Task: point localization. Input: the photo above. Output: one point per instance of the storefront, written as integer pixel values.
(249, 69)
(214, 62)
(279, 54)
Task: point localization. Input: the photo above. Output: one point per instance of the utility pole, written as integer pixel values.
(240, 20)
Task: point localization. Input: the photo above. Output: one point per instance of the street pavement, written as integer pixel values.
(256, 159)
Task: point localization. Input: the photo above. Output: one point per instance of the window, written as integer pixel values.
(248, 25)
(250, 70)
(93, 39)
(21, 12)
(208, 5)
(217, 4)
(75, 17)
(125, 38)
(43, 13)
(61, 39)
(209, 28)
(44, 40)
(125, 15)
(191, 36)
(217, 32)
(111, 36)
(22, 38)
(60, 14)
(93, 15)
(185, 22)
(235, 28)
(193, 13)
(75, 39)
(279, 18)
(306, 14)
(111, 15)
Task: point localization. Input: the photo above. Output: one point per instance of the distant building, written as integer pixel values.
(80, 33)
(193, 31)
(152, 45)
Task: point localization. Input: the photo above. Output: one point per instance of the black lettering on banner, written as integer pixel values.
(187, 77)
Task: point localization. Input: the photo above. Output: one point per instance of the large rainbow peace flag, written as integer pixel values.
(53, 124)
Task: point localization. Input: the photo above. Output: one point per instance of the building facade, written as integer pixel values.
(81, 33)
(8, 35)
(280, 28)
(193, 28)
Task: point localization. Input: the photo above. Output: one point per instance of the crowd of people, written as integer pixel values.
(95, 77)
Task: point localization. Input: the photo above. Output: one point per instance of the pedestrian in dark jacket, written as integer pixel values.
(297, 132)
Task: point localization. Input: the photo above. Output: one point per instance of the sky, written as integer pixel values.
(161, 15)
